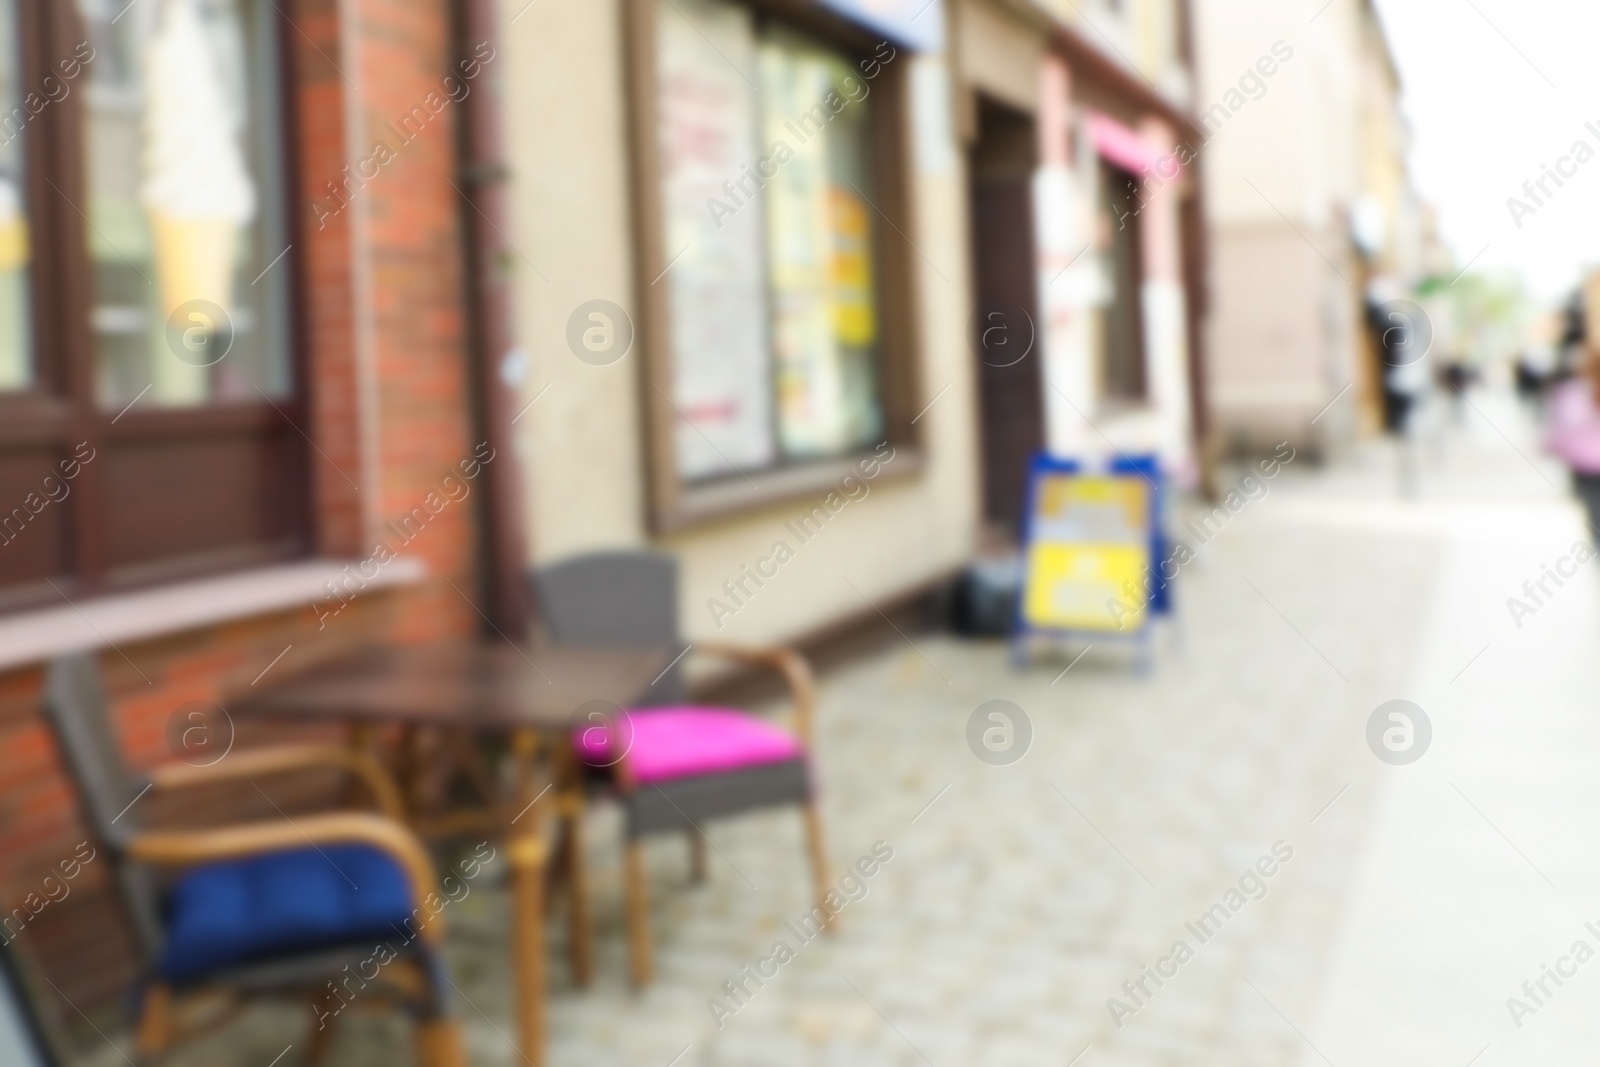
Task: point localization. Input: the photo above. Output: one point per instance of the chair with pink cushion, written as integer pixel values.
(673, 764)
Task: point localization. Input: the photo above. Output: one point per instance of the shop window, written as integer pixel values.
(146, 384)
(179, 204)
(16, 369)
(768, 171)
(1122, 363)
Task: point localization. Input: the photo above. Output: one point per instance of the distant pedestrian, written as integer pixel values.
(1456, 376)
(1402, 336)
(1572, 431)
(1530, 380)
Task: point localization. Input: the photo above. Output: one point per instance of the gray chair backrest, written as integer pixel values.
(615, 598)
(79, 714)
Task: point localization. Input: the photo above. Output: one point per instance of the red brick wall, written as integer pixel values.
(423, 429)
(326, 323)
(417, 287)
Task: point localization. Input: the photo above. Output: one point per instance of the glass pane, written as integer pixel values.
(16, 364)
(716, 295)
(820, 222)
(179, 235)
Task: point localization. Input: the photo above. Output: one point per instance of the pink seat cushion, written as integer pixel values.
(670, 743)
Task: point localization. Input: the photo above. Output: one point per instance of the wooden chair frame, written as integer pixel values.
(801, 683)
(631, 598)
(439, 1039)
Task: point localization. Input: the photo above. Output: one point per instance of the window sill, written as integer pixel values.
(729, 498)
(31, 637)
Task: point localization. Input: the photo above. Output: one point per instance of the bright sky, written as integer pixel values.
(1485, 119)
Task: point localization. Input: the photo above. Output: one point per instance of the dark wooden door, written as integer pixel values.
(1006, 340)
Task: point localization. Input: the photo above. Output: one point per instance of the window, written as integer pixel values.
(768, 170)
(147, 389)
(1122, 334)
(177, 240)
(15, 368)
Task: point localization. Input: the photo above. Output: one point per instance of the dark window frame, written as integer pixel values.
(673, 503)
(119, 506)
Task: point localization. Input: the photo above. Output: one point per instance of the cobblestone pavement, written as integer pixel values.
(1021, 898)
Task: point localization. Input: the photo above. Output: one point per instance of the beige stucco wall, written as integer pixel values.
(1287, 324)
(1284, 174)
(1299, 143)
(999, 54)
(581, 441)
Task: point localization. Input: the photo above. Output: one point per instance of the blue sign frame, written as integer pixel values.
(1043, 465)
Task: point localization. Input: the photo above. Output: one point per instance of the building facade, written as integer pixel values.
(800, 288)
(239, 391)
(1085, 231)
(743, 300)
(1309, 204)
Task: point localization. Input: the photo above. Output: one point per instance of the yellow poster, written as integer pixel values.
(1089, 545)
(853, 323)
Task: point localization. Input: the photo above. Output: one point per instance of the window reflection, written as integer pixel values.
(766, 171)
(179, 230)
(819, 239)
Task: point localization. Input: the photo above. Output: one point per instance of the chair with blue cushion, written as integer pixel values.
(671, 763)
(321, 906)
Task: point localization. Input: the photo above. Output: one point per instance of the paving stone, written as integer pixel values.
(1024, 896)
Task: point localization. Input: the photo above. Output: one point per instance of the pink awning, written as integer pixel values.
(1122, 146)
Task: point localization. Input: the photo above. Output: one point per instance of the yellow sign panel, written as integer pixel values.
(1089, 545)
(1070, 587)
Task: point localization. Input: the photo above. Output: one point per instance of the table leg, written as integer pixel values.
(410, 770)
(697, 857)
(527, 853)
(638, 907)
(579, 930)
(360, 738)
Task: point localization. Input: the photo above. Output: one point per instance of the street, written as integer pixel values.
(1024, 903)
(1022, 897)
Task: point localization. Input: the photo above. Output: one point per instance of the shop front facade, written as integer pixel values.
(237, 385)
(759, 245)
(742, 301)
(1087, 241)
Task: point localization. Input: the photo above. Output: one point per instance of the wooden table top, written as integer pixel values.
(471, 685)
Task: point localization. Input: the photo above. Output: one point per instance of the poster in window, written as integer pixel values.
(181, 160)
(721, 384)
(819, 236)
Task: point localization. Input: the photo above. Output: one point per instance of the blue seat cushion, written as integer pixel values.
(242, 911)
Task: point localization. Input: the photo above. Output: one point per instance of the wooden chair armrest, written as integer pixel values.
(185, 848)
(285, 759)
(787, 662)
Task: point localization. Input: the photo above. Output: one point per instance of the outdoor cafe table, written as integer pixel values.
(527, 694)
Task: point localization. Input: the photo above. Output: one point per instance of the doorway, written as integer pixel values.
(1006, 328)
(1122, 357)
